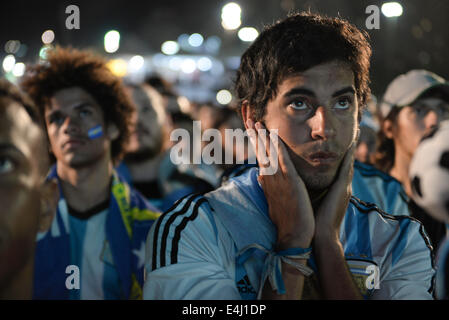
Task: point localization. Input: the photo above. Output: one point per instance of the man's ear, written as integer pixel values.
(49, 203)
(387, 128)
(246, 112)
(112, 131)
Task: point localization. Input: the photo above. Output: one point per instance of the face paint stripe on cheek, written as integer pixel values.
(95, 132)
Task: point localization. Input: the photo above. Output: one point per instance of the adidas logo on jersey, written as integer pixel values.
(245, 286)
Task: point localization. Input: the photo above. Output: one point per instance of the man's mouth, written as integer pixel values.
(322, 158)
(73, 143)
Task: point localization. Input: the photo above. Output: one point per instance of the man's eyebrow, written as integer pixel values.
(343, 91)
(308, 92)
(303, 91)
(82, 105)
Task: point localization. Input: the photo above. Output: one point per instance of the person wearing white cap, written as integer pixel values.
(413, 104)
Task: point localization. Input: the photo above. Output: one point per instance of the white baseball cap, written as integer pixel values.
(406, 88)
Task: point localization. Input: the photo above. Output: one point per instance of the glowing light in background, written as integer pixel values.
(111, 41)
(119, 67)
(183, 41)
(19, 69)
(12, 46)
(8, 63)
(136, 63)
(188, 65)
(391, 9)
(175, 63)
(224, 97)
(48, 36)
(204, 64)
(170, 47)
(44, 51)
(212, 44)
(196, 40)
(248, 34)
(231, 16)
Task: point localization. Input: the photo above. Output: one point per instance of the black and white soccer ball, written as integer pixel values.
(429, 173)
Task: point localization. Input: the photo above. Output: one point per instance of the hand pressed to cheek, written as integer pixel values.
(288, 201)
(334, 205)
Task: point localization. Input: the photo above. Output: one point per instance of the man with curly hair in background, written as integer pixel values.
(94, 248)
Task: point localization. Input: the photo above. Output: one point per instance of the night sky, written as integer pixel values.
(417, 39)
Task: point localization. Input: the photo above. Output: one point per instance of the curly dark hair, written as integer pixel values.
(295, 44)
(68, 67)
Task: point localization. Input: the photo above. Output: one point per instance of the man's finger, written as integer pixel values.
(257, 143)
(261, 145)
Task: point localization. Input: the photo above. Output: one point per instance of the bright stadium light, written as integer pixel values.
(248, 34)
(224, 97)
(231, 16)
(119, 67)
(48, 37)
(175, 63)
(136, 63)
(196, 40)
(111, 41)
(9, 62)
(170, 47)
(188, 65)
(391, 9)
(19, 69)
(204, 64)
(44, 51)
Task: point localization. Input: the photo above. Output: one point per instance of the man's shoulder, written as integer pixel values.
(387, 226)
(374, 211)
(369, 171)
(188, 224)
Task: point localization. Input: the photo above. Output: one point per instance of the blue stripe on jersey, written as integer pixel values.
(358, 239)
(77, 234)
(403, 236)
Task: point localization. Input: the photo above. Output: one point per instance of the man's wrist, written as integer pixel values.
(293, 242)
(326, 237)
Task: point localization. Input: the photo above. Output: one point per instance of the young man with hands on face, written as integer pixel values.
(290, 229)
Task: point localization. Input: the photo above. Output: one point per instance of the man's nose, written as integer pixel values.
(321, 125)
(71, 125)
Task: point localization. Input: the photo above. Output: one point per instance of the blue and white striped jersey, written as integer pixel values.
(192, 249)
(374, 186)
(107, 249)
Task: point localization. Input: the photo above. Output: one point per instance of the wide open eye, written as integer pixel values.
(299, 104)
(343, 103)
